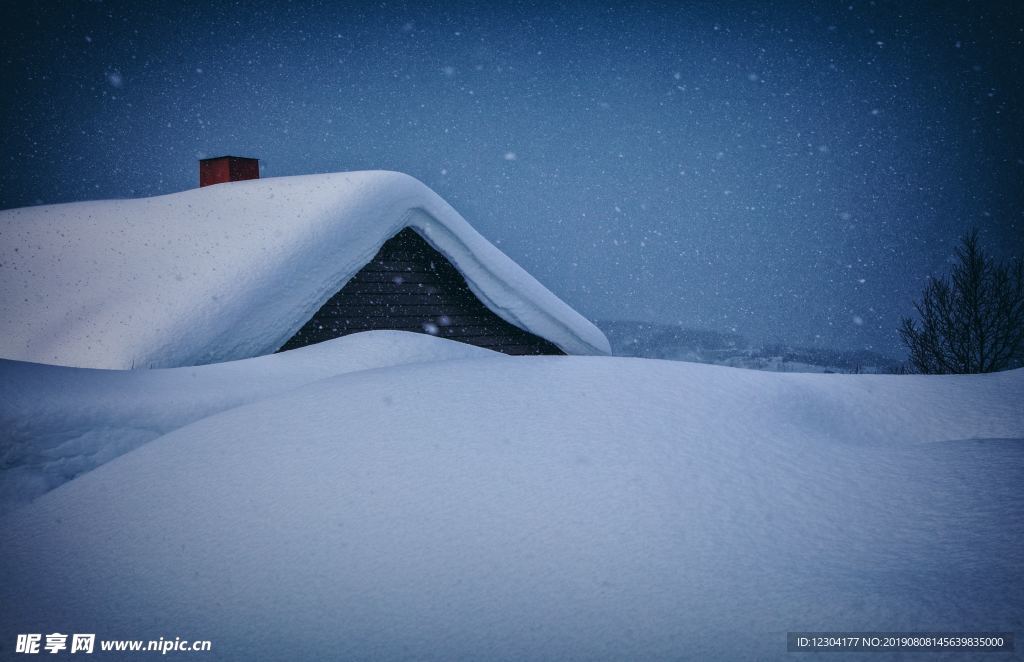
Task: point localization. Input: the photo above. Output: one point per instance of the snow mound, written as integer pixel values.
(232, 271)
(57, 423)
(544, 508)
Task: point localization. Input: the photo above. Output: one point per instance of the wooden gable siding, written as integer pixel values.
(409, 286)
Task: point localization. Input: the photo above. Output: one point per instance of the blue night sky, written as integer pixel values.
(790, 171)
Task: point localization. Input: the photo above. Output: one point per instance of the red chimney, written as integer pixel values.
(227, 169)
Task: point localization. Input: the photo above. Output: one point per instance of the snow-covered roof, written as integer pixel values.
(233, 271)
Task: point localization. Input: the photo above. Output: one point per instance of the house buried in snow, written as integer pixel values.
(246, 268)
(410, 286)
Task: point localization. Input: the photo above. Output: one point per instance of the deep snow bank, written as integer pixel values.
(57, 423)
(543, 508)
(232, 271)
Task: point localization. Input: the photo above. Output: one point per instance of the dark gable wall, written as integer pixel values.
(409, 286)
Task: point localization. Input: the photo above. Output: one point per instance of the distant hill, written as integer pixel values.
(678, 343)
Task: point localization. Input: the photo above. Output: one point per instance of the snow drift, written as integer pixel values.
(57, 423)
(543, 508)
(232, 271)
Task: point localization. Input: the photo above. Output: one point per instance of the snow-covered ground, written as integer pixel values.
(57, 423)
(487, 507)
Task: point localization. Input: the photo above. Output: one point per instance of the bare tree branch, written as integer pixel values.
(972, 321)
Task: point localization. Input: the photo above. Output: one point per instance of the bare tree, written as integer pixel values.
(971, 322)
